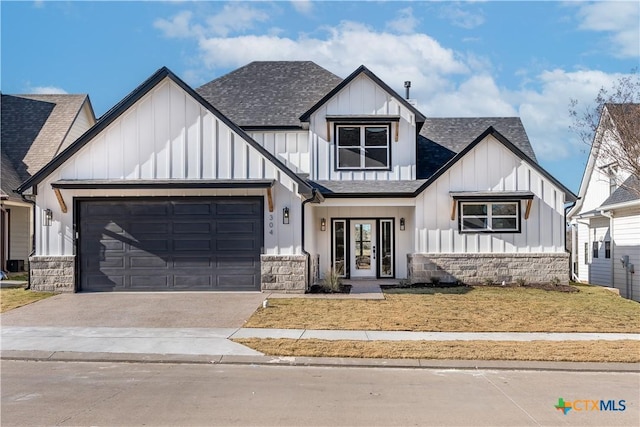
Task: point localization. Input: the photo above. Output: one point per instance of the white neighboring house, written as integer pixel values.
(268, 177)
(606, 218)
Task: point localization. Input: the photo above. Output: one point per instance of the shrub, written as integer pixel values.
(489, 281)
(555, 281)
(521, 282)
(435, 281)
(332, 280)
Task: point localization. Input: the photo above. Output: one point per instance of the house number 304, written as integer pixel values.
(270, 224)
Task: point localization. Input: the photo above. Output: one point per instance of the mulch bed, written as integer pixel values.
(543, 286)
(319, 289)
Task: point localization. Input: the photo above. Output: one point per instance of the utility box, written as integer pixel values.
(15, 265)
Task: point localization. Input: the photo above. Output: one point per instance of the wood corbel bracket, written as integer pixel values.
(63, 205)
(270, 199)
(454, 203)
(528, 209)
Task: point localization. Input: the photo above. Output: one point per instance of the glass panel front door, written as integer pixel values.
(363, 248)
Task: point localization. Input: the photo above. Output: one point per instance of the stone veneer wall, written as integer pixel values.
(284, 273)
(52, 273)
(477, 268)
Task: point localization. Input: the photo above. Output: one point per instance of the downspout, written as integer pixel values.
(33, 235)
(304, 251)
(564, 238)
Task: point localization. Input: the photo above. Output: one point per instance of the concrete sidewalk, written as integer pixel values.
(214, 345)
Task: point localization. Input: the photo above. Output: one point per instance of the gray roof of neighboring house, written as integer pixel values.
(373, 188)
(34, 128)
(629, 191)
(269, 93)
(442, 138)
(9, 179)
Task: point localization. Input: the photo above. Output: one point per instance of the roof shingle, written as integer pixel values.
(269, 93)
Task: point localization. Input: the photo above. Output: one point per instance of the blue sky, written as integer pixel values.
(526, 59)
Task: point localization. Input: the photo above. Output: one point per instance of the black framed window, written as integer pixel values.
(595, 250)
(363, 147)
(490, 217)
(607, 249)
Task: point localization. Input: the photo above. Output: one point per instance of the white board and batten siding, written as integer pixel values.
(600, 267)
(290, 147)
(626, 232)
(363, 97)
(168, 135)
(490, 166)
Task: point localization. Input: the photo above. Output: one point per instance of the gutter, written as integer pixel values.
(572, 252)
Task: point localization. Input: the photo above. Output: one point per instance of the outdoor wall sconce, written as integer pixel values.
(323, 224)
(401, 224)
(48, 217)
(285, 216)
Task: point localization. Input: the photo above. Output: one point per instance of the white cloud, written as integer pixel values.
(179, 26)
(235, 17)
(46, 90)
(460, 17)
(620, 19)
(303, 6)
(405, 22)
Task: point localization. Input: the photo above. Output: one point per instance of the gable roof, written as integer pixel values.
(130, 100)
(611, 112)
(512, 147)
(362, 70)
(34, 129)
(9, 179)
(629, 191)
(265, 94)
(441, 139)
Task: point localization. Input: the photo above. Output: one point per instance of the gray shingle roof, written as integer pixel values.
(629, 191)
(9, 179)
(269, 93)
(442, 138)
(34, 128)
(328, 188)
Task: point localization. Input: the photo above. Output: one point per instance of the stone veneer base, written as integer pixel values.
(52, 273)
(284, 273)
(480, 268)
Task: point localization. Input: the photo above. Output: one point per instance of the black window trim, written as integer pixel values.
(384, 123)
(517, 202)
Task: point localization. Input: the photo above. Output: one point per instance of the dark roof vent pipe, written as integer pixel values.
(407, 86)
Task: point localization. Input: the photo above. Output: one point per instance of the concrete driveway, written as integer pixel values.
(139, 310)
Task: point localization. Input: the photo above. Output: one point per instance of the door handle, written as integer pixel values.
(374, 252)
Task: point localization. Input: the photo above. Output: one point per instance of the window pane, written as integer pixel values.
(474, 209)
(375, 137)
(504, 209)
(386, 241)
(339, 250)
(348, 157)
(503, 223)
(348, 136)
(375, 158)
(474, 223)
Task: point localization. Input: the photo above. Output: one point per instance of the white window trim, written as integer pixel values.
(489, 216)
(363, 146)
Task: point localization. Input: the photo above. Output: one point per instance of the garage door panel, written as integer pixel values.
(204, 243)
(192, 227)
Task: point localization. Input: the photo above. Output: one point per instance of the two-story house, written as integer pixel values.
(268, 177)
(606, 219)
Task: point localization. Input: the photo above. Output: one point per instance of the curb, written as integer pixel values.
(68, 356)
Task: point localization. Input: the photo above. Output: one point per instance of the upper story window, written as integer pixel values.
(490, 217)
(363, 147)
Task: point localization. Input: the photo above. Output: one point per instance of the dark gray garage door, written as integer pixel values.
(177, 244)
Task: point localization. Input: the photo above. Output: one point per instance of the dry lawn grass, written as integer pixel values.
(17, 297)
(569, 351)
(480, 309)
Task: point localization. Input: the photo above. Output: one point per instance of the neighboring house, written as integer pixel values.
(35, 128)
(270, 176)
(606, 218)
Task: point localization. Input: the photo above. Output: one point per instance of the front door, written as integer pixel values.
(363, 248)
